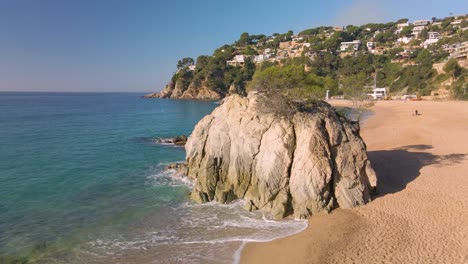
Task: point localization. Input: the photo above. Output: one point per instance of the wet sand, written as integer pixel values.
(421, 212)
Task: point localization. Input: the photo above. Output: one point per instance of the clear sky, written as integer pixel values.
(134, 45)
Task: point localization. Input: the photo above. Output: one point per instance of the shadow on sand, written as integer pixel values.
(398, 167)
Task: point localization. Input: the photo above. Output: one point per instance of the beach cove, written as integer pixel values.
(421, 211)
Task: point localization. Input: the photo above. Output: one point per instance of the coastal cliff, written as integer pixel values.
(180, 90)
(302, 164)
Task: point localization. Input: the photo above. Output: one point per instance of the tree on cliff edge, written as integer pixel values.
(185, 62)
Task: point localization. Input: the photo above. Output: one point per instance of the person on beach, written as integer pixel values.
(416, 112)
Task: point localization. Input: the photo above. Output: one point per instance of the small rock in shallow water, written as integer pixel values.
(180, 140)
(181, 168)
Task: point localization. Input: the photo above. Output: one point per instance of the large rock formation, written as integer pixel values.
(181, 90)
(302, 164)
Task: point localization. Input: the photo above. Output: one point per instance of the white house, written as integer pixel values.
(459, 51)
(456, 22)
(428, 42)
(238, 60)
(378, 93)
(400, 27)
(192, 67)
(417, 30)
(297, 38)
(404, 40)
(267, 51)
(261, 58)
(432, 37)
(355, 44)
(418, 23)
(371, 45)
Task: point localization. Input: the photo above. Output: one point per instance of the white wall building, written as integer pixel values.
(459, 52)
(417, 30)
(418, 23)
(432, 37)
(371, 45)
(261, 58)
(400, 27)
(355, 44)
(404, 40)
(378, 93)
(238, 60)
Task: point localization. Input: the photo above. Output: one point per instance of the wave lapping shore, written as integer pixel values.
(421, 211)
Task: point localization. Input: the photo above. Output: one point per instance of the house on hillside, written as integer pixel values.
(297, 38)
(338, 28)
(267, 51)
(371, 45)
(354, 45)
(459, 52)
(400, 27)
(418, 23)
(261, 58)
(432, 37)
(372, 48)
(418, 30)
(456, 23)
(405, 40)
(238, 60)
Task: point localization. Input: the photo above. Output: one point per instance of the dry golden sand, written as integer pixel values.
(421, 212)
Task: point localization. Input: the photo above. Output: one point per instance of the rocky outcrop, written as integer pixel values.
(200, 92)
(178, 140)
(302, 164)
(178, 90)
(165, 93)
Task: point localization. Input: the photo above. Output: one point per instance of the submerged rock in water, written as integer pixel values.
(178, 140)
(181, 168)
(302, 164)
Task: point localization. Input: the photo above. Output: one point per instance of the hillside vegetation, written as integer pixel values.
(399, 56)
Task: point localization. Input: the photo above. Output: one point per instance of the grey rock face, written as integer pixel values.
(308, 163)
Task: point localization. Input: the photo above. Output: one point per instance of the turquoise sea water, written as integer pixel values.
(82, 182)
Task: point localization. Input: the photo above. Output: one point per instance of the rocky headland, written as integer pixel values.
(180, 90)
(301, 164)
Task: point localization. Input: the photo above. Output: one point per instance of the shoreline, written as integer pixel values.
(418, 215)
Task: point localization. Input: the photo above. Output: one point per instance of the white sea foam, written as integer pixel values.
(160, 175)
(209, 232)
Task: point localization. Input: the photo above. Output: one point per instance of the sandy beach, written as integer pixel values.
(421, 212)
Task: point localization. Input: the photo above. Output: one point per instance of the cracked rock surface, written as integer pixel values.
(306, 163)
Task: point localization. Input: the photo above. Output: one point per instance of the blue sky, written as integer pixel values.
(117, 45)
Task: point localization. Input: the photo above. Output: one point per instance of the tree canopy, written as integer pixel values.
(185, 62)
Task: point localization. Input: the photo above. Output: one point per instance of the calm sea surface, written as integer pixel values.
(81, 181)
